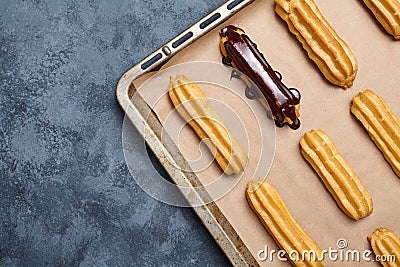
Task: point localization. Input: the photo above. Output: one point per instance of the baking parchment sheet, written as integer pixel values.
(323, 106)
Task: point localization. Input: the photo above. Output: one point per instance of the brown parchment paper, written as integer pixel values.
(323, 106)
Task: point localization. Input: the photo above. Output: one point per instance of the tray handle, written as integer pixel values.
(209, 22)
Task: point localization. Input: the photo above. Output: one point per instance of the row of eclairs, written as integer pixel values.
(339, 66)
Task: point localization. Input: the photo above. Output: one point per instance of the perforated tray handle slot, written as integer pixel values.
(151, 61)
(234, 4)
(210, 20)
(183, 39)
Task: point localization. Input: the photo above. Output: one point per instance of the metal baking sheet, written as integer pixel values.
(307, 199)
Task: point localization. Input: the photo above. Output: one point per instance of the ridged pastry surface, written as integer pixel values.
(323, 45)
(387, 12)
(381, 124)
(276, 218)
(339, 178)
(194, 107)
(386, 245)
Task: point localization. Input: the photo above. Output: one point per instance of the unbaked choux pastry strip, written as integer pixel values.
(194, 107)
(284, 229)
(386, 246)
(381, 124)
(387, 12)
(339, 178)
(323, 45)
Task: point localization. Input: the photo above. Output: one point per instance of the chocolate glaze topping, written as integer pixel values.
(243, 54)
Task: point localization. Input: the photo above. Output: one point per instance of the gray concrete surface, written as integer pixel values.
(66, 196)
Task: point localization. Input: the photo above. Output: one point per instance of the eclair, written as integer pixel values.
(381, 124)
(323, 45)
(195, 108)
(387, 12)
(386, 246)
(284, 229)
(239, 52)
(339, 178)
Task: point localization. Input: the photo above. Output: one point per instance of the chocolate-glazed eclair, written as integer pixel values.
(241, 53)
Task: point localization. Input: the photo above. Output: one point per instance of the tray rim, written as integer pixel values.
(149, 127)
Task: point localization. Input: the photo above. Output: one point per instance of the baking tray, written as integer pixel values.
(148, 125)
(230, 218)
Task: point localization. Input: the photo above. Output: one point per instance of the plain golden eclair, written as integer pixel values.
(386, 246)
(339, 178)
(194, 107)
(387, 12)
(381, 124)
(323, 45)
(276, 218)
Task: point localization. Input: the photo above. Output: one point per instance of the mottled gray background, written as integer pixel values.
(66, 196)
